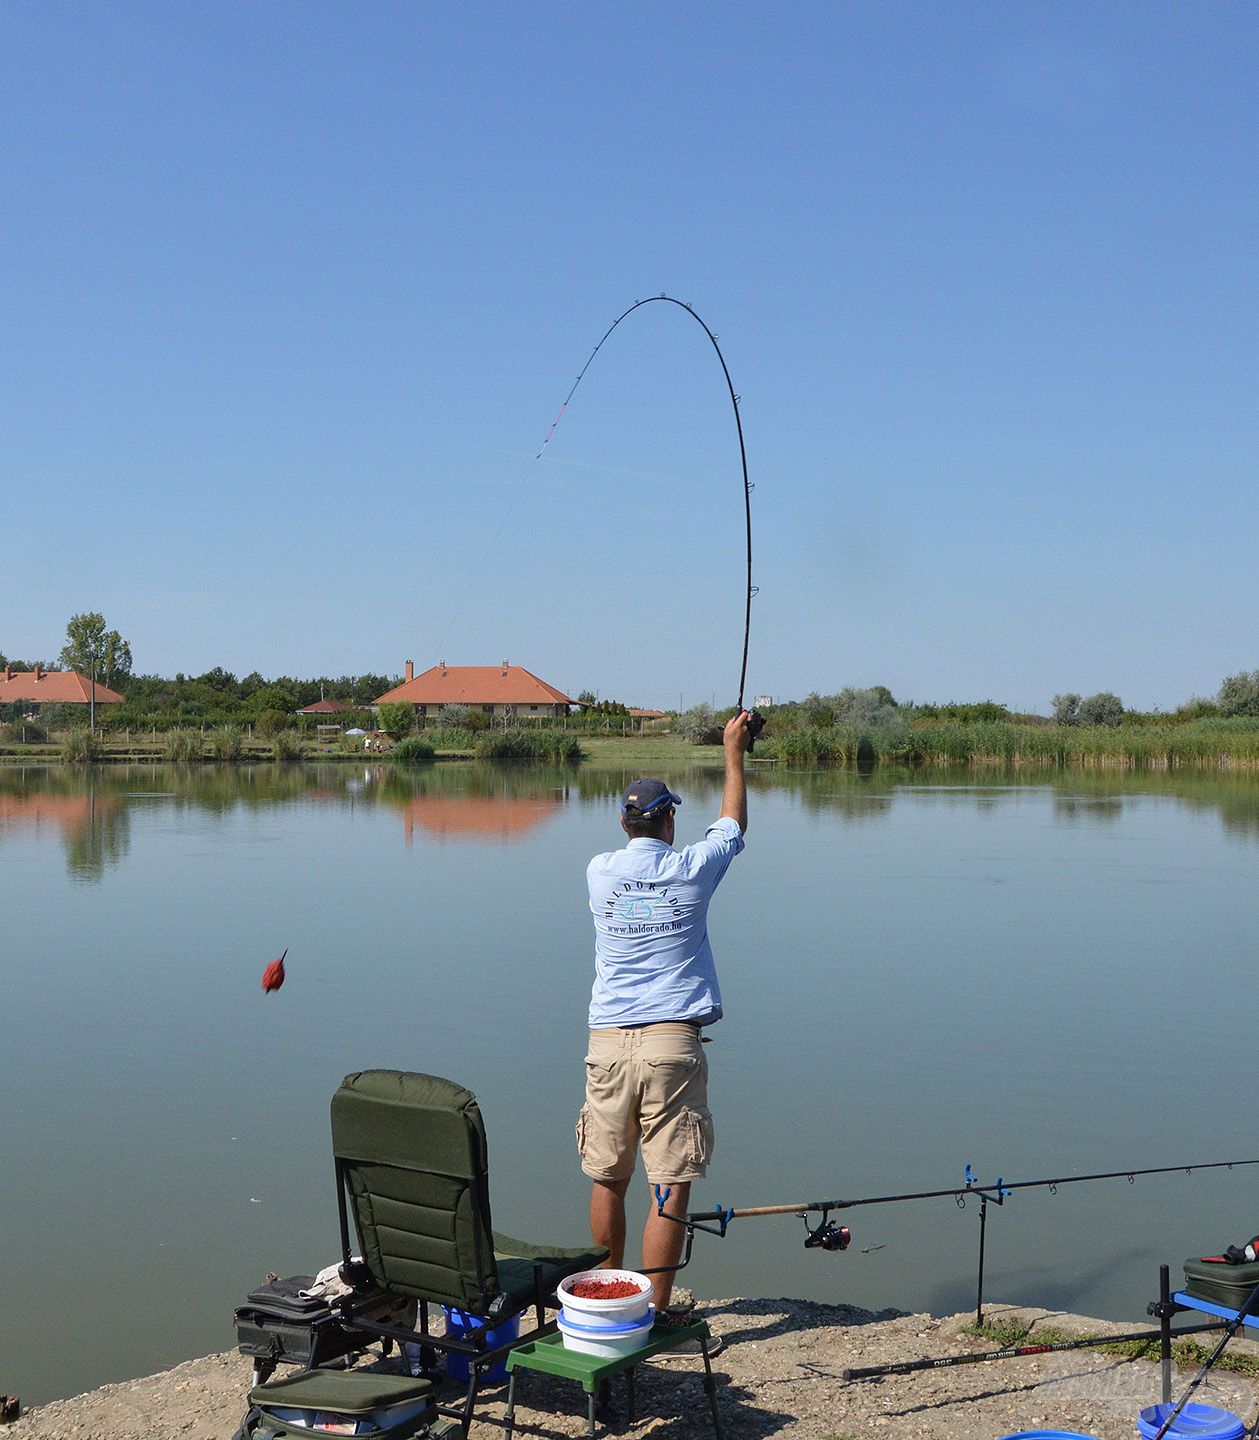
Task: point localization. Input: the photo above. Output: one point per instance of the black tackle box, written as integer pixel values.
(278, 1326)
(1221, 1283)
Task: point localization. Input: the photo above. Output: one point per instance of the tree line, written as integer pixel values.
(92, 648)
(876, 709)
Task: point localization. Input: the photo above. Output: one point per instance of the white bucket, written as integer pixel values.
(607, 1341)
(605, 1312)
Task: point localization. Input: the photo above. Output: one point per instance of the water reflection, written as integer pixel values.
(1087, 809)
(95, 828)
(90, 810)
(942, 1020)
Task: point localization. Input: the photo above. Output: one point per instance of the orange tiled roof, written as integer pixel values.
(325, 707)
(477, 685)
(53, 687)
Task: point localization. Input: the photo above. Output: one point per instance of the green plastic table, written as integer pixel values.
(594, 1373)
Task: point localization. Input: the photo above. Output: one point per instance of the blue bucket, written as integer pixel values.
(1048, 1435)
(1201, 1422)
(458, 1323)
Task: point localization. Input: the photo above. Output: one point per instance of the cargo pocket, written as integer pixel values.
(701, 1140)
(583, 1125)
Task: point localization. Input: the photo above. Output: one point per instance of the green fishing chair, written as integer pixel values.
(411, 1165)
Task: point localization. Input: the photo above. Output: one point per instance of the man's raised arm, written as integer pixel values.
(734, 797)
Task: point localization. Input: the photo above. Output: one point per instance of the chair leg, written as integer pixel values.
(428, 1355)
(511, 1404)
(710, 1389)
(590, 1415)
(474, 1380)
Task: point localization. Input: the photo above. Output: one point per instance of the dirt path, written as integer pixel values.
(779, 1375)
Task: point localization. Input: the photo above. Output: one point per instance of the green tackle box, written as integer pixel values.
(1222, 1283)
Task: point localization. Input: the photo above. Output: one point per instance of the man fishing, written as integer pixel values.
(655, 989)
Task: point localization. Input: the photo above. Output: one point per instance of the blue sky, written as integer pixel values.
(292, 293)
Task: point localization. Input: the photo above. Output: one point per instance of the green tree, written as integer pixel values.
(874, 708)
(1239, 694)
(1067, 708)
(397, 718)
(92, 650)
(817, 709)
(218, 679)
(278, 695)
(1101, 709)
(699, 725)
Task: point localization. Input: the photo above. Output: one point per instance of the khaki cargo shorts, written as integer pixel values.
(648, 1086)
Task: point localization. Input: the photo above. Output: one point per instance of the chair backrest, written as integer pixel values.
(411, 1151)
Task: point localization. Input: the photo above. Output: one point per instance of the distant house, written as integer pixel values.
(325, 707)
(646, 719)
(52, 687)
(492, 689)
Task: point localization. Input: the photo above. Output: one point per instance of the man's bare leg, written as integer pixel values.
(662, 1242)
(607, 1219)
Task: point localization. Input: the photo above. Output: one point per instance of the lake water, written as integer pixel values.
(1035, 977)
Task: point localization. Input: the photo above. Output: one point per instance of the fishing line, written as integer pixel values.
(757, 722)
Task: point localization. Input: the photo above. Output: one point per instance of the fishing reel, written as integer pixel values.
(826, 1235)
(756, 723)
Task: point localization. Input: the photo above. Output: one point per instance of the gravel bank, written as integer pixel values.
(779, 1375)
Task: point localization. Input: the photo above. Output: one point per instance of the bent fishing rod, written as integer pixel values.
(757, 721)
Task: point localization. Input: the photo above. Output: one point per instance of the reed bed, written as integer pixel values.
(412, 751)
(182, 744)
(1208, 745)
(526, 745)
(80, 747)
(287, 747)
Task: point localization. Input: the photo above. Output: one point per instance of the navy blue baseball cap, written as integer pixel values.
(648, 797)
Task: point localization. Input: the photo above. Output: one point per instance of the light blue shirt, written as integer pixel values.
(650, 907)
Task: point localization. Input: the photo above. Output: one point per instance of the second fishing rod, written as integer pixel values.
(832, 1237)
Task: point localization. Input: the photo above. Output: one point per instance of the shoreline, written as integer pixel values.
(779, 1375)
